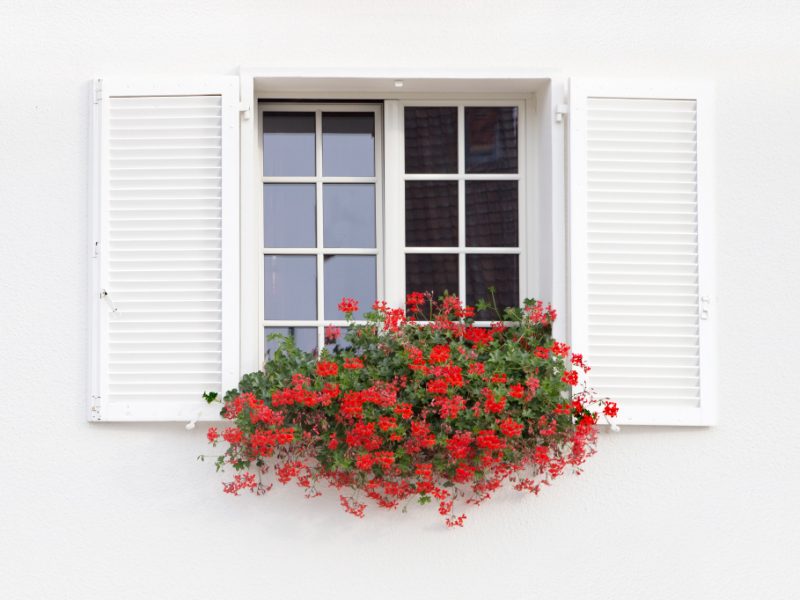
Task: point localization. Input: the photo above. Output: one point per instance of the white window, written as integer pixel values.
(598, 201)
(461, 202)
(322, 216)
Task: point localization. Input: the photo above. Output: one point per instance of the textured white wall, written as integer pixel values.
(124, 511)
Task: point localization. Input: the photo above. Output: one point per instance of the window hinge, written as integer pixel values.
(245, 109)
(561, 110)
(94, 410)
(98, 90)
(705, 304)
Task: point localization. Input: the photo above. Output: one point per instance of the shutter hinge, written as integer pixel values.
(94, 410)
(96, 250)
(246, 109)
(705, 304)
(98, 90)
(561, 110)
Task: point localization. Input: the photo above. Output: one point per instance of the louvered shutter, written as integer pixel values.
(641, 246)
(165, 221)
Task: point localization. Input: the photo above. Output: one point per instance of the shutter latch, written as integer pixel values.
(705, 303)
(104, 296)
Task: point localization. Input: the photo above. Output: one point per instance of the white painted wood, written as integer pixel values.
(641, 246)
(165, 281)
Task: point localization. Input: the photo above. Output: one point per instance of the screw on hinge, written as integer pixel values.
(705, 304)
(96, 250)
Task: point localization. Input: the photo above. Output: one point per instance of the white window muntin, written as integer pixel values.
(319, 180)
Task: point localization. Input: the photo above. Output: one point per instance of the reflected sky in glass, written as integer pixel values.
(350, 277)
(290, 215)
(290, 287)
(289, 144)
(304, 337)
(349, 215)
(348, 144)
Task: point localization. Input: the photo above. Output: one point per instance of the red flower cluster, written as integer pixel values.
(445, 410)
(348, 306)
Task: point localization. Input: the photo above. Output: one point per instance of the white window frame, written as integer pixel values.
(542, 167)
(319, 251)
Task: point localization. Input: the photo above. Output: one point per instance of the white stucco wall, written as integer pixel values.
(124, 511)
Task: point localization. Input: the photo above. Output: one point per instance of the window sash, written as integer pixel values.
(396, 177)
(319, 180)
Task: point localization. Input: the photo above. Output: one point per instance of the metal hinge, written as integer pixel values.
(561, 110)
(96, 250)
(98, 90)
(94, 410)
(705, 304)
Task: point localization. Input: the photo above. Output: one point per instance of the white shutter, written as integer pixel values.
(165, 221)
(641, 246)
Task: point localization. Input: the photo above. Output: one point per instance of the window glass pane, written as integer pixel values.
(491, 139)
(348, 144)
(431, 213)
(290, 287)
(331, 342)
(290, 215)
(304, 337)
(349, 215)
(289, 144)
(432, 272)
(431, 139)
(500, 271)
(492, 213)
(349, 277)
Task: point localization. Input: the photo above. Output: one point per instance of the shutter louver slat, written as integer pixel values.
(166, 183)
(636, 224)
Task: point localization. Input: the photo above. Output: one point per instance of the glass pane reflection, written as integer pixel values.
(350, 277)
(492, 213)
(435, 273)
(431, 213)
(491, 139)
(304, 337)
(500, 271)
(349, 215)
(290, 287)
(431, 139)
(290, 215)
(289, 144)
(348, 144)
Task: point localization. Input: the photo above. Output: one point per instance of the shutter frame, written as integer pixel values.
(225, 252)
(581, 90)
